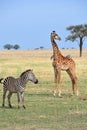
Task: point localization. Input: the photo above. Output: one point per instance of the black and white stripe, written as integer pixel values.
(17, 85)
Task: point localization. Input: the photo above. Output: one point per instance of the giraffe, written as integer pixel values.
(61, 63)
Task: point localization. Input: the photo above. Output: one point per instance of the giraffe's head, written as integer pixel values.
(54, 35)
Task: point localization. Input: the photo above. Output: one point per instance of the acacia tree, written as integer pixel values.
(16, 46)
(78, 32)
(8, 46)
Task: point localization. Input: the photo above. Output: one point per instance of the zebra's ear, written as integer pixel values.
(30, 70)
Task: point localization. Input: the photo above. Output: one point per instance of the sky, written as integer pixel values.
(29, 23)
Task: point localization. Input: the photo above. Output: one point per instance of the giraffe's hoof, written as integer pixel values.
(54, 94)
(77, 93)
(59, 94)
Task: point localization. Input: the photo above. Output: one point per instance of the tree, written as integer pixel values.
(8, 46)
(78, 32)
(41, 47)
(16, 46)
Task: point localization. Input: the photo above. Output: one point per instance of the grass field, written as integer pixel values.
(43, 110)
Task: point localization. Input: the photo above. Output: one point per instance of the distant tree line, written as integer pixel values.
(10, 46)
(40, 48)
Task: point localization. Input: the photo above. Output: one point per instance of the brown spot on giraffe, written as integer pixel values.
(62, 63)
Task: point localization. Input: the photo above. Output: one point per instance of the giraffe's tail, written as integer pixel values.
(1, 80)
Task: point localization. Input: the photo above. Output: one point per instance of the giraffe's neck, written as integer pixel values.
(56, 50)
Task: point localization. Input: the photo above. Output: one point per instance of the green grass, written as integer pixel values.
(43, 110)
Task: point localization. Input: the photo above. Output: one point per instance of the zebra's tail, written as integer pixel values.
(1, 80)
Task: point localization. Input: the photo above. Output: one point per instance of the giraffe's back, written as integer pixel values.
(63, 63)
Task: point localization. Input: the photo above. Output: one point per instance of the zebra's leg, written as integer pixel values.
(9, 97)
(22, 97)
(4, 96)
(18, 95)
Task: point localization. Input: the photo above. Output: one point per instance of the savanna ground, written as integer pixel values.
(43, 110)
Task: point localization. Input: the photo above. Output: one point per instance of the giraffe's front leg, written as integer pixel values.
(55, 85)
(59, 83)
(55, 81)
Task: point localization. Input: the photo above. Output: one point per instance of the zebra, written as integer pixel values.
(17, 85)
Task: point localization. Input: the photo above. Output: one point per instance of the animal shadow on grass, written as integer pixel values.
(50, 95)
(83, 99)
(7, 107)
(40, 95)
(43, 96)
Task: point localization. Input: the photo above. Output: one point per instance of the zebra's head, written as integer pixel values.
(32, 77)
(29, 75)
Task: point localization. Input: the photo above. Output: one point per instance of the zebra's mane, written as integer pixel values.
(24, 72)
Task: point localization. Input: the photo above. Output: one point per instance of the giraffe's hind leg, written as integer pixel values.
(73, 77)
